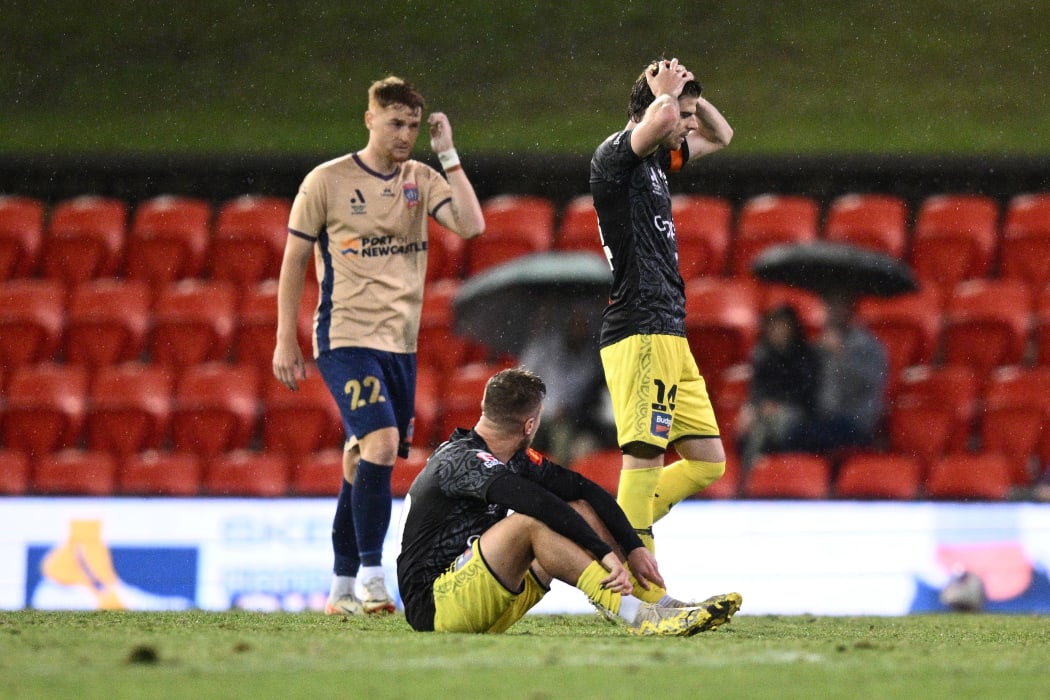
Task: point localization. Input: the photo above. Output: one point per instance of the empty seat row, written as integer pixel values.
(252, 473)
(168, 238)
(111, 320)
(126, 408)
(163, 239)
(950, 237)
(862, 475)
(207, 408)
(237, 473)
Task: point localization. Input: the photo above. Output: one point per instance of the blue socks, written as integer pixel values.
(371, 501)
(344, 537)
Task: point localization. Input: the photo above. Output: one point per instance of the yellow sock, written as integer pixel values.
(590, 582)
(682, 479)
(654, 595)
(635, 496)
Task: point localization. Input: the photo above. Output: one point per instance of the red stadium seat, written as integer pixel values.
(32, 320)
(771, 219)
(721, 321)
(578, 226)
(788, 475)
(318, 474)
(1025, 247)
(168, 239)
(160, 473)
(439, 346)
(968, 477)
(85, 238)
(462, 397)
(14, 472)
(46, 408)
(704, 226)
(729, 392)
(193, 322)
(130, 408)
(406, 470)
(72, 471)
(248, 240)
(986, 324)
(1015, 419)
(247, 473)
(909, 326)
(1042, 327)
(21, 234)
(216, 408)
(602, 466)
(256, 333)
(877, 222)
(868, 475)
(429, 386)
(515, 225)
(446, 253)
(953, 239)
(934, 411)
(107, 321)
(297, 423)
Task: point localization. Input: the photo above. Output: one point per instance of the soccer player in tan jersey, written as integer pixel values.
(363, 217)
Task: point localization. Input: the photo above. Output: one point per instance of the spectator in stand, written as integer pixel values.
(785, 369)
(578, 414)
(851, 398)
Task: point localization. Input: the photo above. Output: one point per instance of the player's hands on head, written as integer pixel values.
(667, 77)
(440, 132)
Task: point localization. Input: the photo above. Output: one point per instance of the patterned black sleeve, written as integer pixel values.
(528, 497)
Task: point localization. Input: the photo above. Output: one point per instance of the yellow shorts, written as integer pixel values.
(658, 395)
(469, 598)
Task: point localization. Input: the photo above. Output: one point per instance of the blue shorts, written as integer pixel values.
(373, 389)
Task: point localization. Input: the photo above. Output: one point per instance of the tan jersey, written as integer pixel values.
(371, 252)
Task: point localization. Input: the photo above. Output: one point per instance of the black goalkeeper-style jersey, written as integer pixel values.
(634, 214)
(464, 490)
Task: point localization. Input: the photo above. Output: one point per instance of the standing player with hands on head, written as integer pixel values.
(563, 526)
(363, 217)
(659, 397)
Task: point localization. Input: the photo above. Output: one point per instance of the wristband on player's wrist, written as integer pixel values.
(449, 160)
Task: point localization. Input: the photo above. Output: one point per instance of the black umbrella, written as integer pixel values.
(503, 306)
(834, 270)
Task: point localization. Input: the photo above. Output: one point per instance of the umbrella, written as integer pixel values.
(834, 270)
(503, 305)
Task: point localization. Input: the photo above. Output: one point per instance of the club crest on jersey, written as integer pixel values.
(411, 193)
(488, 460)
(661, 425)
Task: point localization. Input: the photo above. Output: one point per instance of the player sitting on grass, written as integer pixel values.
(563, 526)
